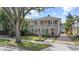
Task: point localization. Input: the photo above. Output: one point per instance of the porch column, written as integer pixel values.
(49, 31)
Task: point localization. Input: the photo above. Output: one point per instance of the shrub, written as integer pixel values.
(24, 32)
(77, 36)
(45, 34)
(12, 33)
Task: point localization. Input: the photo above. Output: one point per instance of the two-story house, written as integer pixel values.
(48, 24)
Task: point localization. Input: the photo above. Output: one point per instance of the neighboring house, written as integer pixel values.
(62, 28)
(50, 25)
(75, 28)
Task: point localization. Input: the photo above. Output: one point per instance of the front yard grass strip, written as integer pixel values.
(29, 45)
(26, 45)
(34, 46)
(36, 38)
(4, 41)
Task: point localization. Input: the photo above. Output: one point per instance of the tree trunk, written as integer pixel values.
(17, 29)
(71, 31)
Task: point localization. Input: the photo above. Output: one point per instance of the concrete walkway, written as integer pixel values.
(62, 44)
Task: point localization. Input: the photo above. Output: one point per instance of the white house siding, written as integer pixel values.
(75, 28)
(43, 28)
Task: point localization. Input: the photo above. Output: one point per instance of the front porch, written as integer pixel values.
(54, 32)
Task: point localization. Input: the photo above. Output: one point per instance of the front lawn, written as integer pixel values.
(4, 41)
(26, 45)
(33, 46)
(36, 38)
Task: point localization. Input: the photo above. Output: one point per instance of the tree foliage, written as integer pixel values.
(69, 23)
(4, 22)
(17, 15)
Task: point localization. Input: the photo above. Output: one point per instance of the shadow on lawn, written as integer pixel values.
(32, 46)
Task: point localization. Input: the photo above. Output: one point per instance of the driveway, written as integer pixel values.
(63, 43)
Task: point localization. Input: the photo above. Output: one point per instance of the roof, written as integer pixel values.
(46, 18)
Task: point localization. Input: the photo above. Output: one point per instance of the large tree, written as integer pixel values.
(69, 23)
(16, 15)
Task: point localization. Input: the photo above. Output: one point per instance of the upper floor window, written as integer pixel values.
(41, 22)
(56, 21)
(35, 22)
(49, 22)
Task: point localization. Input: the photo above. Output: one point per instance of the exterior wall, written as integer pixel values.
(75, 28)
(62, 28)
(46, 25)
(74, 31)
(59, 27)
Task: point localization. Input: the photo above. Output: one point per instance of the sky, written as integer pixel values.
(60, 12)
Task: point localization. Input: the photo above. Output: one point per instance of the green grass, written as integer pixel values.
(33, 46)
(27, 45)
(4, 41)
(12, 43)
(36, 38)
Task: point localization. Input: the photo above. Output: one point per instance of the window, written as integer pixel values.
(41, 22)
(32, 30)
(39, 29)
(35, 30)
(47, 30)
(49, 22)
(56, 21)
(35, 22)
(42, 30)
